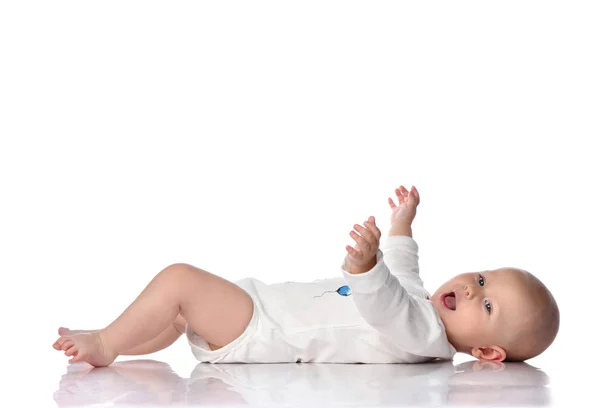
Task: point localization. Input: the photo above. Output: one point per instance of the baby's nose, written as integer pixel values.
(469, 292)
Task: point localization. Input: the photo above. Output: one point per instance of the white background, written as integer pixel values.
(247, 138)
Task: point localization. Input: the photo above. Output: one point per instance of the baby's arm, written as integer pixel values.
(382, 301)
(378, 295)
(387, 306)
(400, 251)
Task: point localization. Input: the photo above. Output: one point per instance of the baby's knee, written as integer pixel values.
(178, 267)
(177, 274)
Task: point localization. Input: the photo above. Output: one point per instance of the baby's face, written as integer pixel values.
(480, 308)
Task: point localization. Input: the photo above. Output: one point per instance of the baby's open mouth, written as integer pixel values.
(449, 300)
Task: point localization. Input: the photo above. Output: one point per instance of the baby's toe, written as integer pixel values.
(76, 358)
(66, 344)
(58, 343)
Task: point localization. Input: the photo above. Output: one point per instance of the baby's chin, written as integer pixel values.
(453, 338)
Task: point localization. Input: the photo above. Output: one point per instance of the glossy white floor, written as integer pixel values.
(152, 381)
(172, 377)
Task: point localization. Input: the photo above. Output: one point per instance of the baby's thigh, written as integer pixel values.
(215, 309)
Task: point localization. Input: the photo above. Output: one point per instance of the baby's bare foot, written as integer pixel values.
(64, 330)
(88, 347)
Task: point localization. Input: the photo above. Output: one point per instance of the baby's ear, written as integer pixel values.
(490, 353)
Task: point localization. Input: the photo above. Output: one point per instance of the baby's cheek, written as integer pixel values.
(463, 323)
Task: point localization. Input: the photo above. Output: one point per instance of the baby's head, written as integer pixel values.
(503, 314)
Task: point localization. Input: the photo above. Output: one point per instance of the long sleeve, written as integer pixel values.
(408, 319)
(401, 255)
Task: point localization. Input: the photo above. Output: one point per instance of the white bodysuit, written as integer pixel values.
(381, 316)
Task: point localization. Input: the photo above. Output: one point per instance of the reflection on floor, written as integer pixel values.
(150, 382)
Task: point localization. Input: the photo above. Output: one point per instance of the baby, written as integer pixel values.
(376, 312)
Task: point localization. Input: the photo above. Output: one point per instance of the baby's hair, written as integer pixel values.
(540, 328)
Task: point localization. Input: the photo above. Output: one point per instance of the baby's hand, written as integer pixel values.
(363, 257)
(406, 210)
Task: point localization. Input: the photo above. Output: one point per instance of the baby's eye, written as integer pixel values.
(481, 281)
(488, 306)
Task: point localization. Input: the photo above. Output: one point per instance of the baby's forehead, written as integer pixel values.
(515, 286)
(512, 276)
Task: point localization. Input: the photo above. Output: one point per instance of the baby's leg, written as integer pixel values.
(162, 341)
(216, 309)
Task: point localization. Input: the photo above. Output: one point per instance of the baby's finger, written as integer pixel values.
(391, 203)
(354, 252)
(405, 193)
(361, 243)
(365, 232)
(413, 199)
(418, 197)
(369, 235)
(399, 195)
(358, 238)
(373, 227)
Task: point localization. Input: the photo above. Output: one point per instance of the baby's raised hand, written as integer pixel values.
(406, 210)
(363, 256)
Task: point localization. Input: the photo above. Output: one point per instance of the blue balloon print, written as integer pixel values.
(342, 290)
